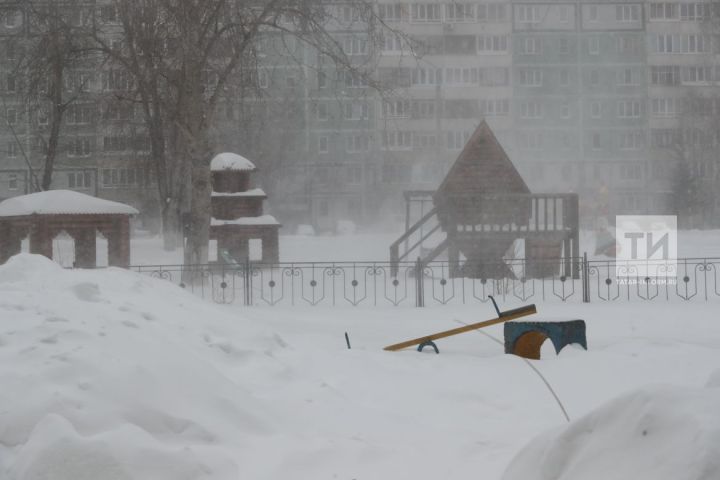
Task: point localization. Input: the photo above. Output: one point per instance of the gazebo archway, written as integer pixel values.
(44, 215)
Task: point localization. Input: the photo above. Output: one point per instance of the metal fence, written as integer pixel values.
(440, 283)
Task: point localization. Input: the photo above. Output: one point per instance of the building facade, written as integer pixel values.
(592, 97)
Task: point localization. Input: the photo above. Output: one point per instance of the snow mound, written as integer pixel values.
(231, 161)
(658, 433)
(61, 202)
(110, 374)
(261, 220)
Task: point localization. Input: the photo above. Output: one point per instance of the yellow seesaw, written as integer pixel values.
(502, 317)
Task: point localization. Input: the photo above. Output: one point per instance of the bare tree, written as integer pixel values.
(185, 57)
(53, 75)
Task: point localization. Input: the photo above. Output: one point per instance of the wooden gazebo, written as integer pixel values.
(482, 206)
(43, 215)
(237, 212)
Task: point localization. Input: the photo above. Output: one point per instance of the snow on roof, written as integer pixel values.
(255, 192)
(261, 220)
(61, 202)
(231, 161)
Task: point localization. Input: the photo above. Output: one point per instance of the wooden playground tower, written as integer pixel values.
(482, 206)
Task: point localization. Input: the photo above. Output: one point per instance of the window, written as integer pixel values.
(354, 45)
(122, 177)
(628, 109)
(694, 11)
(696, 75)
(495, 107)
(461, 76)
(632, 140)
(394, 12)
(423, 108)
(492, 43)
(491, 12)
(108, 13)
(664, 11)
(323, 144)
(532, 140)
(12, 181)
(116, 80)
(459, 12)
(628, 76)
(79, 179)
(531, 78)
(665, 75)
(593, 13)
(425, 12)
(494, 76)
(79, 147)
(691, 43)
(456, 139)
(322, 111)
(263, 79)
(12, 18)
(531, 110)
(663, 107)
(354, 80)
(424, 140)
(392, 44)
(397, 140)
(12, 149)
(627, 13)
(321, 80)
(397, 108)
(42, 116)
(531, 46)
(79, 114)
(626, 44)
(11, 116)
(564, 46)
(698, 106)
(664, 137)
(10, 83)
(564, 13)
(594, 46)
(355, 111)
(358, 143)
(115, 143)
(528, 14)
(426, 76)
(596, 144)
(595, 110)
(350, 14)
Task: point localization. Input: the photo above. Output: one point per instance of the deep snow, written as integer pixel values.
(108, 374)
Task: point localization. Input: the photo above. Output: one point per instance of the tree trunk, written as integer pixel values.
(198, 235)
(171, 225)
(58, 109)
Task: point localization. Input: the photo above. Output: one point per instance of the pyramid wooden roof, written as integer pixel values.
(482, 167)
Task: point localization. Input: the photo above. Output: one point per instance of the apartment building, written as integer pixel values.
(587, 96)
(102, 150)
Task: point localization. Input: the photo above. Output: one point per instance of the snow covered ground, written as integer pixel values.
(108, 374)
(372, 247)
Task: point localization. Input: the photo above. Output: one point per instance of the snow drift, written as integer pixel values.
(96, 383)
(655, 433)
